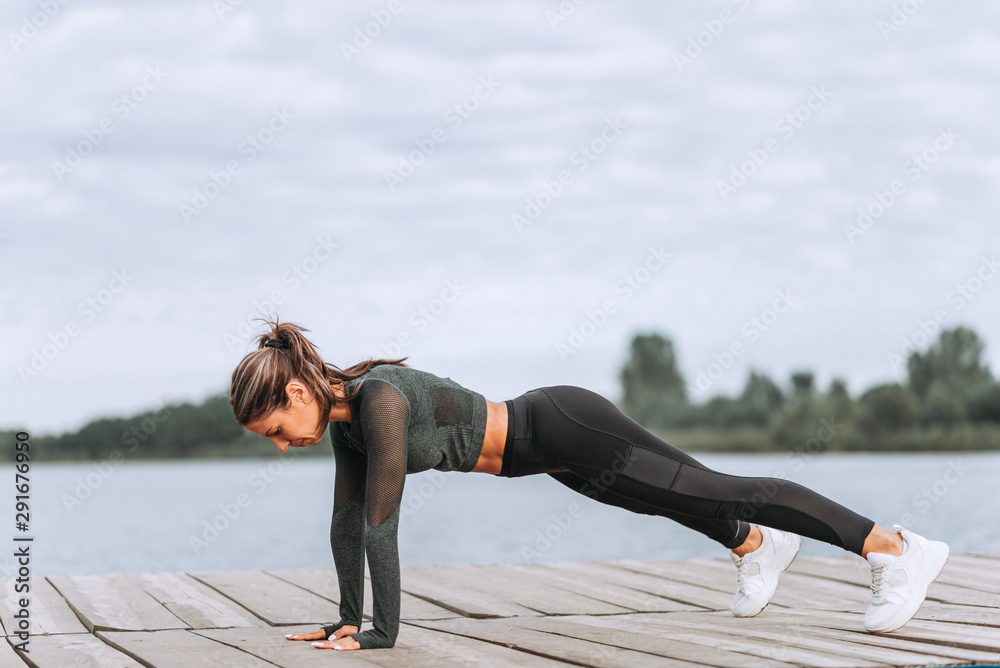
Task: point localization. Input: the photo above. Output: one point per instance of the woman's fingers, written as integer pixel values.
(345, 630)
(347, 643)
(312, 635)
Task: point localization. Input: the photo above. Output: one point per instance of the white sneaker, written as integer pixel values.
(899, 584)
(757, 572)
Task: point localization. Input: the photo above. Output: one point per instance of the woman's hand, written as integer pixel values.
(338, 641)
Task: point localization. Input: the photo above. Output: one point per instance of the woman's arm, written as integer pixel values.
(367, 497)
(347, 534)
(385, 418)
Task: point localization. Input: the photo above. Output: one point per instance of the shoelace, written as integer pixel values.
(879, 579)
(741, 574)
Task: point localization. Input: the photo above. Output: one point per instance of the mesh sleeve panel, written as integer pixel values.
(384, 415)
(352, 467)
(347, 533)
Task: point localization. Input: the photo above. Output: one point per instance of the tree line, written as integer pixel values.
(949, 400)
(175, 430)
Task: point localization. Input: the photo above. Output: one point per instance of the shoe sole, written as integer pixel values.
(784, 568)
(923, 595)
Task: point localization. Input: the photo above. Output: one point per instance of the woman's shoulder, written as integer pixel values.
(391, 373)
(399, 377)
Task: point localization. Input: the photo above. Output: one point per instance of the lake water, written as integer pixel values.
(194, 515)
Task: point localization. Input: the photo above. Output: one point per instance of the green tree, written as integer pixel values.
(984, 406)
(838, 401)
(760, 399)
(942, 405)
(803, 385)
(955, 361)
(721, 411)
(887, 407)
(653, 389)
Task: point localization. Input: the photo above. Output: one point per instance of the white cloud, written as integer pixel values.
(656, 185)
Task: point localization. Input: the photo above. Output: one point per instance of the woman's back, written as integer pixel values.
(445, 422)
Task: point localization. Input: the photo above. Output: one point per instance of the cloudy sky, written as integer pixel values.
(505, 192)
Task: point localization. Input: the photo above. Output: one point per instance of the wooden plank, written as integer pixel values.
(854, 571)
(609, 631)
(700, 629)
(530, 587)
(415, 646)
(272, 646)
(762, 636)
(978, 638)
(959, 614)
(49, 612)
(796, 591)
(8, 657)
(893, 651)
(195, 603)
(627, 589)
(793, 591)
(858, 572)
(80, 650)
(114, 602)
(937, 654)
(680, 582)
(783, 629)
(981, 579)
(179, 648)
(555, 613)
(961, 571)
(694, 596)
(692, 571)
(520, 632)
(434, 584)
(973, 561)
(272, 599)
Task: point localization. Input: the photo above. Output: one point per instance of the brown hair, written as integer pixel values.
(259, 380)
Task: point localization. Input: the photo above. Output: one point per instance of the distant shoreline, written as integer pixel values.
(733, 440)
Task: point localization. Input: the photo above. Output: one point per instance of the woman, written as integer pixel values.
(388, 419)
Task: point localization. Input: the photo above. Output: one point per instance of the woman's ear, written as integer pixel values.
(298, 393)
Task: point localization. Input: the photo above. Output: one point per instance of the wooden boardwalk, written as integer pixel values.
(608, 613)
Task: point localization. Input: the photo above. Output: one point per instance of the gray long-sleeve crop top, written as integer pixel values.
(403, 421)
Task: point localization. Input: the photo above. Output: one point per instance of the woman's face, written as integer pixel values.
(297, 425)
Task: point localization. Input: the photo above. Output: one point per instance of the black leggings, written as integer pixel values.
(585, 442)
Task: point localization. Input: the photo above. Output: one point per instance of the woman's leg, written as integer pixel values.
(730, 533)
(576, 431)
(589, 436)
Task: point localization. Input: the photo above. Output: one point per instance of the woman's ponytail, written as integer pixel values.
(284, 354)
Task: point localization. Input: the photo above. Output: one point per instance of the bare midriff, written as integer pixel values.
(491, 457)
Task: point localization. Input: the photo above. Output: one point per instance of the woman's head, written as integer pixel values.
(285, 386)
